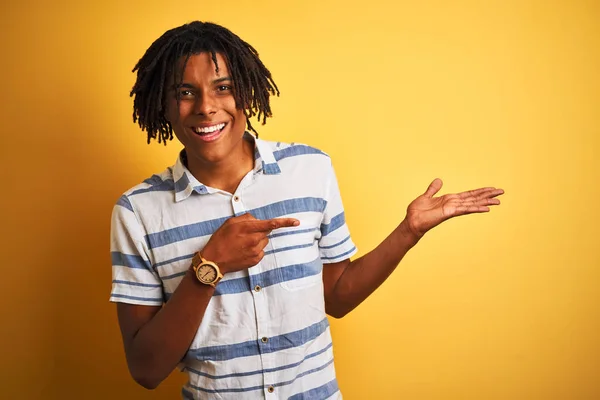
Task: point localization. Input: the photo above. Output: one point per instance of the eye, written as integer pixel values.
(185, 93)
(223, 88)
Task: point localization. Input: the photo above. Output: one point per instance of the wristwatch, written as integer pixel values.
(207, 272)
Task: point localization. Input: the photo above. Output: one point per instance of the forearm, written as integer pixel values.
(364, 275)
(157, 348)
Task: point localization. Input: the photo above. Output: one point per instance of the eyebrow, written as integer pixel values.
(190, 86)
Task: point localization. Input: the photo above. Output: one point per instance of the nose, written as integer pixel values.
(205, 105)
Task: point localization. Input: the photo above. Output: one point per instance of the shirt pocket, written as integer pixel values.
(296, 254)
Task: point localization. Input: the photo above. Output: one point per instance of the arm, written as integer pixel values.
(152, 347)
(156, 338)
(347, 284)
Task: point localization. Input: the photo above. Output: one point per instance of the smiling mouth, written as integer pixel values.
(209, 133)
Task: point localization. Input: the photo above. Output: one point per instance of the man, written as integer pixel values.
(228, 262)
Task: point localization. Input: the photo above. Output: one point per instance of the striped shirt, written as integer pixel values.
(265, 334)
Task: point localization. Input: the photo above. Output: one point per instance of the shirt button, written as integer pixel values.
(264, 339)
(271, 389)
(257, 288)
(236, 198)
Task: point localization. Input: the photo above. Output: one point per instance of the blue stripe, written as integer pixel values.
(310, 371)
(182, 183)
(294, 232)
(178, 274)
(237, 285)
(236, 390)
(340, 255)
(271, 169)
(172, 260)
(164, 186)
(321, 392)
(274, 210)
(260, 371)
(186, 394)
(298, 246)
(297, 150)
(337, 244)
(154, 285)
(256, 347)
(268, 278)
(154, 180)
(290, 206)
(129, 260)
(184, 232)
(124, 296)
(252, 388)
(124, 202)
(335, 223)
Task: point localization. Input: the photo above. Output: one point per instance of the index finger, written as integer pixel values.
(475, 192)
(268, 225)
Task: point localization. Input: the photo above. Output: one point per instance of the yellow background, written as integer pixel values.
(505, 93)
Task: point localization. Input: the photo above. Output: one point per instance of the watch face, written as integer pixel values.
(206, 273)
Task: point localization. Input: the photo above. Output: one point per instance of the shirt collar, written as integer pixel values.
(186, 184)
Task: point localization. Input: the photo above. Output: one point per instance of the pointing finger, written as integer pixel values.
(271, 224)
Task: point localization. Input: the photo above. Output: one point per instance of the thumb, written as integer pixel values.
(434, 187)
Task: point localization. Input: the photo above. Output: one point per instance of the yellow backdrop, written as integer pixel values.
(505, 93)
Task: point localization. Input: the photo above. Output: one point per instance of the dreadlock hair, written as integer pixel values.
(253, 83)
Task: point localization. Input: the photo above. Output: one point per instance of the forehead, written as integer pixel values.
(201, 67)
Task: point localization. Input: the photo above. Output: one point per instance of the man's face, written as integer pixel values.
(207, 121)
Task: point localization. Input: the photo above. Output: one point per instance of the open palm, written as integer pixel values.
(426, 211)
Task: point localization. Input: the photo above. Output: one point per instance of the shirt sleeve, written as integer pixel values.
(134, 279)
(335, 244)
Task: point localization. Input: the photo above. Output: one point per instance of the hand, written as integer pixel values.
(426, 211)
(238, 243)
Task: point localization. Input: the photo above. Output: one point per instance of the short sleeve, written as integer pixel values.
(134, 281)
(335, 243)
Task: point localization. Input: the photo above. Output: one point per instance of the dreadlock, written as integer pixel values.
(253, 81)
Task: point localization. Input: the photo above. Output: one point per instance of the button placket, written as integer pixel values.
(264, 342)
(237, 204)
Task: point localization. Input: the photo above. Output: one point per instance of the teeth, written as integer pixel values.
(210, 129)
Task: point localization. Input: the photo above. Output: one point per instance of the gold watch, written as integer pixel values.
(207, 272)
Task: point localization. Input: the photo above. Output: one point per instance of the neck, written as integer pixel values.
(227, 174)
